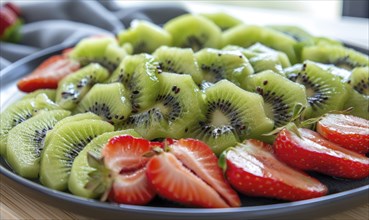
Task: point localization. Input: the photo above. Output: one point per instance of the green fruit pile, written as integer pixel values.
(208, 77)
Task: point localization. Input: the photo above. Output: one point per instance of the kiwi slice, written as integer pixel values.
(280, 95)
(217, 64)
(177, 105)
(102, 50)
(337, 55)
(26, 141)
(297, 33)
(193, 31)
(50, 93)
(138, 73)
(325, 41)
(178, 60)
(325, 92)
(144, 36)
(231, 115)
(247, 35)
(223, 20)
(108, 101)
(74, 86)
(19, 112)
(66, 143)
(79, 175)
(359, 93)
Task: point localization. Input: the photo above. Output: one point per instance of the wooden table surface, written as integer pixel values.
(14, 205)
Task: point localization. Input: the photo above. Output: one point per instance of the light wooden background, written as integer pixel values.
(14, 205)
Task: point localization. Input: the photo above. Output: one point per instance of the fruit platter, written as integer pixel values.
(221, 120)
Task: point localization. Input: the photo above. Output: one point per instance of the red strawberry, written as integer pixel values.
(200, 159)
(7, 18)
(346, 130)
(123, 158)
(48, 74)
(312, 152)
(16, 10)
(253, 170)
(177, 183)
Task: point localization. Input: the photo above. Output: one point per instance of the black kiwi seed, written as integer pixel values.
(39, 136)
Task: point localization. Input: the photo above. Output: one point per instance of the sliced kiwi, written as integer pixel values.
(108, 101)
(79, 175)
(26, 141)
(217, 64)
(19, 112)
(223, 20)
(50, 93)
(337, 55)
(138, 73)
(66, 143)
(144, 36)
(325, 92)
(231, 115)
(176, 108)
(178, 60)
(193, 31)
(280, 95)
(359, 93)
(74, 86)
(102, 50)
(325, 41)
(247, 35)
(297, 33)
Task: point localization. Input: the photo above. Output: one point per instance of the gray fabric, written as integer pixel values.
(48, 23)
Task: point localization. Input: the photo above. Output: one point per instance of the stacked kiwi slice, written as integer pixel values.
(206, 76)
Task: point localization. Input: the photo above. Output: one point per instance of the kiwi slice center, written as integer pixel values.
(218, 119)
(168, 105)
(269, 110)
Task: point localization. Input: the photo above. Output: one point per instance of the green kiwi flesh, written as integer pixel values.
(324, 91)
(217, 64)
(145, 37)
(19, 112)
(231, 115)
(358, 98)
(247, 35)
(138, 73)
(223, 20)
(50, 93)
(108, 101)
(178, 101)
(280, 95)
(79, 175)
(65, 144)
(26, 141)
(178, 60)
(193, 31)
(74, 86)
(297, 33)
(337, 55)
(102, 50)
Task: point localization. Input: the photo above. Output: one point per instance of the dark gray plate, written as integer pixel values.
(343, 194)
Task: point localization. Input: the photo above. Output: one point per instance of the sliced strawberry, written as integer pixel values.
(48, 74)
(123, 156)
(7, 18)
(132, 188)
(347, 131)
(200, 159)
(16, 10)
(173, 181)
(253, 170)
(313, 152)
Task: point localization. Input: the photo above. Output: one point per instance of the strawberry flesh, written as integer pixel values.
(175, 182)
(253, 170)
(48, 74)
(347, 131)
(312, 152)
(200, 159)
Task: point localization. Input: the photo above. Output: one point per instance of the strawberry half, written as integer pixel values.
(253, 170)
(347, 131)
(48, 74)
(312, 152)
(200, 159)
(175, 182)
(124, 171)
